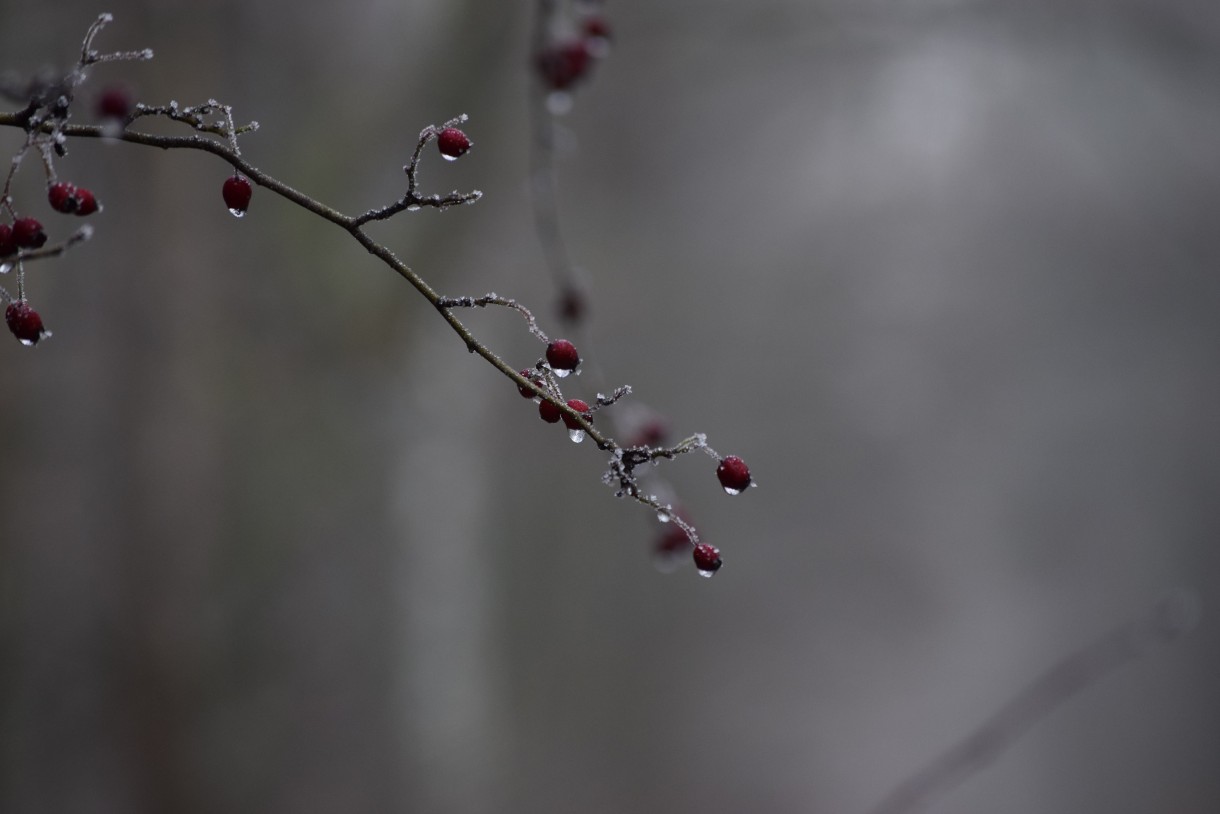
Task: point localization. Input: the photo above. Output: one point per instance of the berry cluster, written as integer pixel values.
(44, 119)
(541, 383)
(72, 200)
(21, 240)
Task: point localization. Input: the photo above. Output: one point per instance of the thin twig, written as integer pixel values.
(1173, 616)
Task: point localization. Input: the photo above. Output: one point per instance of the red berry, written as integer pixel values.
(8, 246)
(561, 65)
(561, 355)
(596, 27)
(707, 559)
(549, 411)
(453, 143)
(580, 407)
(28, 233)
(572, 305)
(114, 103)
(651, 434)
(733, 473)
(24, 322)
(63, 197)
(237, 192)
(525, 391)
(672, 541)
(86, 203)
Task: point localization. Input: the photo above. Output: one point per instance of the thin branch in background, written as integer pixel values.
(1172, 617)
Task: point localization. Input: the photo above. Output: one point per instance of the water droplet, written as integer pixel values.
(237, 213)
(413, 207)
(5, 268)
(560, 373)
(29, 343)
(728, 490)
(663, 515)
(449, 157)
(706, 574)
(576, 435)
(558, 102)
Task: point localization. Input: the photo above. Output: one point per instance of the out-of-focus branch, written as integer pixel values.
(1173, 616)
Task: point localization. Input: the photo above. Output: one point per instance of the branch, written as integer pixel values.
(44, 120)
(1171, 618)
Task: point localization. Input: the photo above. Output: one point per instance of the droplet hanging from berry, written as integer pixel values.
(575, 431)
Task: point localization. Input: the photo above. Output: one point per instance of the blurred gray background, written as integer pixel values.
(944, 272)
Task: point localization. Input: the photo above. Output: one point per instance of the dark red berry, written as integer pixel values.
(86, 203)
(24, 322)
(596, 27)
(572, 305)
(237, 192)
(561, 355)
(549, 411)
(525, 391)
(672, 541)
(733, 473)
(651, 434)
(28, 233)
(707, 559)
(8, 246)
(453, 143)
(563, 64)
(63, 197)
(114, 103)
(580, 407)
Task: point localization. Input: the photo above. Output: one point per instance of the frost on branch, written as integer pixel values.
(45, 109)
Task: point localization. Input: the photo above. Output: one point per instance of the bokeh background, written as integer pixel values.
(943, 271)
